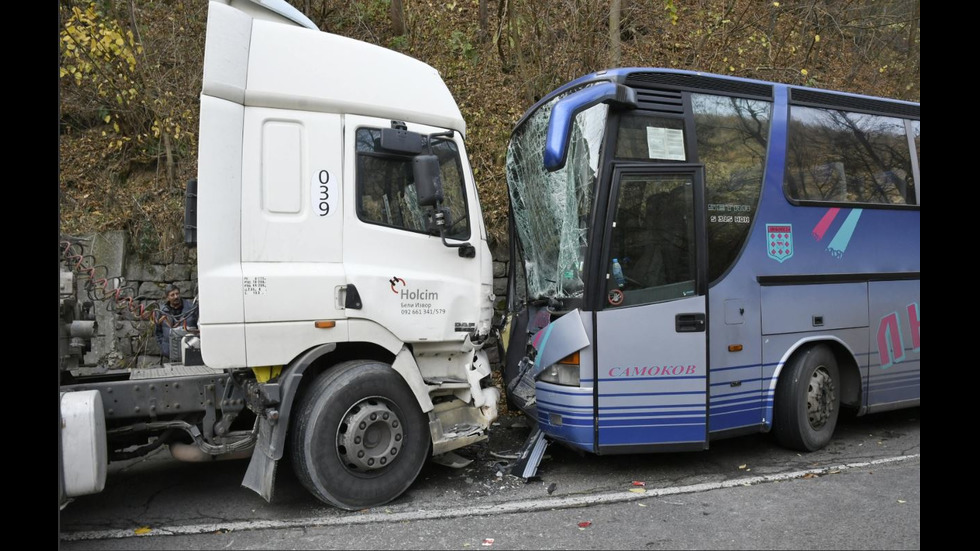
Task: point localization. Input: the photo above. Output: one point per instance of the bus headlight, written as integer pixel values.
(565, 372)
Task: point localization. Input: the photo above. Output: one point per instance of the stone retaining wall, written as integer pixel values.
(122, 339)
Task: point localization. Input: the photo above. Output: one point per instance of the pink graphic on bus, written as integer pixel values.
(821, 228)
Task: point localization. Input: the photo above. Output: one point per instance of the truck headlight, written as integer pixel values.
(565, 372)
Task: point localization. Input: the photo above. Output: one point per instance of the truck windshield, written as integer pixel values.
(552, 210)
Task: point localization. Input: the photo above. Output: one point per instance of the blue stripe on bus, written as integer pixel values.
(613, 436)
(742, 381)
(720, 396)
(735, 367)
(736, 419)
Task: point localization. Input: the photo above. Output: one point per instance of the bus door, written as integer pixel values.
(651, 340)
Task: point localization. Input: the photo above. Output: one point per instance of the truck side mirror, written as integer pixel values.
(401, 140)
(428, 180)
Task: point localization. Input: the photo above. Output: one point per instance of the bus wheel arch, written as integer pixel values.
(808, 398)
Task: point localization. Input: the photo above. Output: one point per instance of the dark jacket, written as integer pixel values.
(168, 318)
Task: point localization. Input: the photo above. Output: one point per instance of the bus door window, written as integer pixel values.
(652, 240)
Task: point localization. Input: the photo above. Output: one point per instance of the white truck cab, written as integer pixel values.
(345, 283)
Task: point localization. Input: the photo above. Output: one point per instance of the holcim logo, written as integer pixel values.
(421, 294)
(395, 280)
(398, 287)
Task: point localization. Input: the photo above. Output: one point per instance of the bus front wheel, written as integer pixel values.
(360, 438)
(807, 400)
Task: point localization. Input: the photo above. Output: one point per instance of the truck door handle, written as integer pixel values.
(689, 323)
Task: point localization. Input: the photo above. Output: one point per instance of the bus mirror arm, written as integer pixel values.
(563, 114)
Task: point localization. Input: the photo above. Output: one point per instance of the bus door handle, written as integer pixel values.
(689, 323)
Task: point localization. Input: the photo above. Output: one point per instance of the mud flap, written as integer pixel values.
(530, 455)
(260, 476)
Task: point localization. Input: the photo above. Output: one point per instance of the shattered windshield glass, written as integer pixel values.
(552, 209)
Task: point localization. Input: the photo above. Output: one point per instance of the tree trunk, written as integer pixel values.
(615, 7)
(168, 150)
(398, 17)
(483, 20)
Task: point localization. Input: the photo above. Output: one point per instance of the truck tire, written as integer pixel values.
(359, 438)
(807, 400)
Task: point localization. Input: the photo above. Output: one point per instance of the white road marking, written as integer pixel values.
(522, 506)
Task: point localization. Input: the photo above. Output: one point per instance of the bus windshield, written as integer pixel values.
(551, 210)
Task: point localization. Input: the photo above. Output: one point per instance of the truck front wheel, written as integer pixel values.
(360, 438)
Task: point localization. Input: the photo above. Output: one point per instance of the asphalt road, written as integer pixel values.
(861, 492)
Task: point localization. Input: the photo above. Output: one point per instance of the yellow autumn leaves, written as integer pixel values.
(101, 59)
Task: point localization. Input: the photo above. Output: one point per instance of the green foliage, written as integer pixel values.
(399, 43)
(671, 8)
(128, 100)
(460, 44)
(98, 55)
(143, 93)
(374, 12)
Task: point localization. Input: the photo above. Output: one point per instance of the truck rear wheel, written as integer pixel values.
(807, 400)
(360, 438)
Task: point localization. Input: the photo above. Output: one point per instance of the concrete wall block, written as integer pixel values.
(499, 249)
(109, 251)
(133, 270)
(124, 347)
(176, 272)
(150, 290)
(499, 269)
(500, 286)
(155, 272)
(184, 254)
(161, 257)
(150, 346)
(188, 289)
(127, 328)
(145, 342)
(145, 272)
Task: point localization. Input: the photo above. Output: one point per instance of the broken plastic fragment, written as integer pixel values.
(639, 483)
(142, 530)
(638, 490)
(585, 524)
(487, 542)
(451, 459)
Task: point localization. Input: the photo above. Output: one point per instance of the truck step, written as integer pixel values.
(171, 370)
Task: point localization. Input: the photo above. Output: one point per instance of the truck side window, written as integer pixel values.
(386, 186)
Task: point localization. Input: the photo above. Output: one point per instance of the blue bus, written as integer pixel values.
(697, 256)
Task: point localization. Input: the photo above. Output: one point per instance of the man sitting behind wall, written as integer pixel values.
(175, 312)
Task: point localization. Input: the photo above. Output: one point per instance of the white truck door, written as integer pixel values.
(409, 281)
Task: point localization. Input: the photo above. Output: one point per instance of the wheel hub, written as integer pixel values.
(820, 398)
(370, 436)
